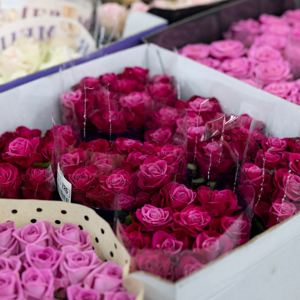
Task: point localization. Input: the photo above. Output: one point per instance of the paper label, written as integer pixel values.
(64, 186)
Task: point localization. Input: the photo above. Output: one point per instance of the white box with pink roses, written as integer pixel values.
(266, 267)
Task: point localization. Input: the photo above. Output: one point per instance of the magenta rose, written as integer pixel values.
(294, 159)
(38, 234)
(106, 278)
(64, 137)
(269, 160)
(77, 264)
(193, 219)
(166, 117)
(217, 203)
(153, 174)
(118, 296)
(166, 242)
(280, 211)
(135, 73)
(178, 196)
(272, 40)
(22, 152)
(188, 264)
(210, 62)
(274, 144)
(126, 146)
(208, 107)
(10, 286)
(155, 262)
(196, 51)
(211, 245)
(253, 175)
(76, 292)
(105, 162)
(9, 181)
(38, 284)
(269, 72)
(70, 161)
(71, 235)
(292, 186)
(237, 67)
(162, 93)
(280, 89)
(12, 263)
(8, 243)
(237, 228)
(264, 54)
(27, 133)
(227, 49)
(160, 136)
(136, 101)
(135, 159)
(244, 31)
(42, 257)
(154, 217)
(118, 181)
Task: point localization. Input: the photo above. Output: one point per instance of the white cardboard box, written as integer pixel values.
(267, 267)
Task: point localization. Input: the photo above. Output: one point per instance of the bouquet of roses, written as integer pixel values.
(263, 53)
(39, 261)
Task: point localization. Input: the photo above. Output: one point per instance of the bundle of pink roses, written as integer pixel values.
(39, 261)
(264, 53)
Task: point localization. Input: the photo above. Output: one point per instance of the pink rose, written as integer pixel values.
(227, 49)
(38, 233)
(160, 136)
(106, 278)
(178, 195)
(8, 243)
(292, 51)
(118, 181)
(237, 228)
(267, 39)
(277, 29)
(153, 173)
(166, 242)
(280, 211)
(10, 286)
(153, 217)
(269, 72)
(42, 257)
(22, 152)
(217, 203)
(11, 263)
(196, 51)
(210, 62)
(211, 245)
(237, 67)
(292, 17)
(76, 292)
(118, 296)
(280, 89)
(187, 265)
(267, 19)
(71, 235)
(252, 82)
(38, 284)
(244, 31)
(77, 264)
(193, 219)
(9, 181)
(264, 54)
(155, 262)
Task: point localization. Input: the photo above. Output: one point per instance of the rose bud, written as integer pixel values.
(217, 203)
(155, 262)
(42, 257)
(22, 152)
(193, 219)
(188, 264)
(10, 181)
(76, 292)
(12, 263)
(38, 284)
(77, 264)
(10, 286)
(153, 217)
(8, 243)
(71, 235)
(38, 233)
(153, 173)
(280, 211)
(166, 242)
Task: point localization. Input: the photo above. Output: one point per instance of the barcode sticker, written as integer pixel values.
(64, 186)
(12, 4)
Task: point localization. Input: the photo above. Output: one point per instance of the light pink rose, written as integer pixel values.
(10, 286)
(76, 292)
(42, 257)
(264, 54)
(269, 72)
(11, 263)
(227, 49)
(38, 233)
(38, 284)
(153, 217)
(8, 243)
(71, 235)
(196, 51)
(237, 67)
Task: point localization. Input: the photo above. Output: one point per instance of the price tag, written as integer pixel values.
(64, 186)
(12, 4)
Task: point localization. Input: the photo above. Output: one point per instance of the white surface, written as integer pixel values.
(137, 22)
(267, 268)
